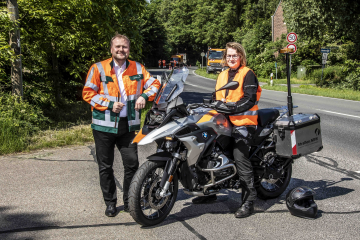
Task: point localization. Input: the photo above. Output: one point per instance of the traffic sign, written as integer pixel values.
(202, 54)
(291, 37)
(325, 50)
(324, 57)
(292, 46)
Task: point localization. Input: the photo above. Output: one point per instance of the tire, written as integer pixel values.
(280, 185)
(142, 194)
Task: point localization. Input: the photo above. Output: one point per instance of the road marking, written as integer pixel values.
(209, 89)
(338, 113)
(357, 171)
(202, 76)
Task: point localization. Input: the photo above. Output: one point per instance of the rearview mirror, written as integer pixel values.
(230, 85)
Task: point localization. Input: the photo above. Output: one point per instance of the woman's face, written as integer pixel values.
(232, 58)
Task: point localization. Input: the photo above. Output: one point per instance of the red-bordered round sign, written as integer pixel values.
(291, 37)
(291, 45)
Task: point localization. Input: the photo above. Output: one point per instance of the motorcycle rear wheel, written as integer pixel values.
(146, 206)
(272, 188)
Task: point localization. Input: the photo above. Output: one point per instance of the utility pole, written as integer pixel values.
(16, 68)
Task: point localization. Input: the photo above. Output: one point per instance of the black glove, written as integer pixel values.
(221, 107)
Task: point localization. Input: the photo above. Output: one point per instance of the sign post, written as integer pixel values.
(202, 59)
(287, 52)
(276, 69)
(291, 38)
(325, 52)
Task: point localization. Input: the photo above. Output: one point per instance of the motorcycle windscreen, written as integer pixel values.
(173, 86)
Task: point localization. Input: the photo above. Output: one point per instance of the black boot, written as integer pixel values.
(245, 210)
(111, 210)
(204, 199)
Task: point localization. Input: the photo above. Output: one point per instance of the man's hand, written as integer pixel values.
(117, 107)
(140, 103)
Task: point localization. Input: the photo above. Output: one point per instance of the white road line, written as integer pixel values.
(209, 89)
(202, 76)
(357, 171)
(339, 113)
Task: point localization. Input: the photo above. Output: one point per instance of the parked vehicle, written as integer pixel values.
(214, 60)
(194, 147)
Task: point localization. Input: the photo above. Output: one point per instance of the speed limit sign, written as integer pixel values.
(291, 37)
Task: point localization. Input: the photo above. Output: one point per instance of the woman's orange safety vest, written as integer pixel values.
(248, 117)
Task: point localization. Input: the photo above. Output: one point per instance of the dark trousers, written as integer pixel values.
(245, 171)
(105, 143)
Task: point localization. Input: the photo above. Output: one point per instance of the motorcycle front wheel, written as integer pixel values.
(147, 207)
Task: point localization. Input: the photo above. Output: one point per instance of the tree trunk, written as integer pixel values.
(56, 78)
(16, 68)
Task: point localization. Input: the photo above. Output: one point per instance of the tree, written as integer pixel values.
(62, 38)
(16, 68)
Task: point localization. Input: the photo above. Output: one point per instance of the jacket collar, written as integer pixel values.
(112, 63)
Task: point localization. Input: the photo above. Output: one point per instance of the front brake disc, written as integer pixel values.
(156, 202)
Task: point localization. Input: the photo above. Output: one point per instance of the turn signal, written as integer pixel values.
(169, 138)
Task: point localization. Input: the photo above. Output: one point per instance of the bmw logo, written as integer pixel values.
(205, 135)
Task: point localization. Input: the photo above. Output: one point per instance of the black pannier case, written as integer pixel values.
(298, 135)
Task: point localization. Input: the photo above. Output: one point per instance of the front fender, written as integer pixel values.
(160, 156)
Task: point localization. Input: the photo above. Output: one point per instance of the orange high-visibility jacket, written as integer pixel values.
(102, 90)
(159, 62)
(164, 62)
(248, 117)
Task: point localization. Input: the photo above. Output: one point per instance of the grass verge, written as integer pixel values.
(202, 72)
(15, 139)
(284, 81)
(77, 135)
(317, 91)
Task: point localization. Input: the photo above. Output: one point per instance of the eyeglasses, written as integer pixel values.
(232, 56)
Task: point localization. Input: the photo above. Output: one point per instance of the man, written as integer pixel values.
(114, 88)
(164, 63)
(159, 63)
(244, 118)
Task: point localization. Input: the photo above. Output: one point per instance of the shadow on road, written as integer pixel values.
(229, 203)
(11, 224)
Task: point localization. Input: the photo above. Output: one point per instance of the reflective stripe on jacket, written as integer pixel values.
(101, 91)
(248, 117)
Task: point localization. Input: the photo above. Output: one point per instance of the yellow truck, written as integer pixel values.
(180, 59)
(214, 58)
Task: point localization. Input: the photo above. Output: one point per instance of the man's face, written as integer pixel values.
(120, 49)
(232, 58)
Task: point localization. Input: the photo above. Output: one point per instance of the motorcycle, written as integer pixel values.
(194, 147)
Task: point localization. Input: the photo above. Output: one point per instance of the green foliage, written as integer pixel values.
(6, 54)
(61, 39)
(18, 121)
(332, 76)
(325, 21)
(154, 36)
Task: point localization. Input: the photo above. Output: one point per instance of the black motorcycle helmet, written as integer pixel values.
(300, 202)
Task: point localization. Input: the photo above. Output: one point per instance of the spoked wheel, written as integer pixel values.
(146, 205)
(274, 184)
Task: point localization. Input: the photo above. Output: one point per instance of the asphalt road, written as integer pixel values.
(55, 194)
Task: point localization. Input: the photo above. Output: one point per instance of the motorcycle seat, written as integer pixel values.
(267, 115)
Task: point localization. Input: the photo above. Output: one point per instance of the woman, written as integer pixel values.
(243, 115)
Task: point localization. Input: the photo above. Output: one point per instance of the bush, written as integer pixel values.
(332, 76)
(18, 121)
